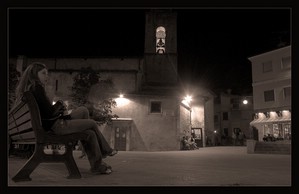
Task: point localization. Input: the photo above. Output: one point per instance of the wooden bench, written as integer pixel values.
(25, 129)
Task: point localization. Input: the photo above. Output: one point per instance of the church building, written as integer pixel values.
(155, 110)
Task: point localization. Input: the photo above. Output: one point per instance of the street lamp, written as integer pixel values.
(187, 100)
(245, 101)
(121, 100)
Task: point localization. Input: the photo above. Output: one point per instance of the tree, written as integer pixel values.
(101, 109)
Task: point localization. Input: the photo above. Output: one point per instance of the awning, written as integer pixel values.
(259, 120)
(270, 120)
(284, 119)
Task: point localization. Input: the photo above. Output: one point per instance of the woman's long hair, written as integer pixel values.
(29, 79)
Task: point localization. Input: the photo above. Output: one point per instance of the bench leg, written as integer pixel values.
(39, 156)
(24, 173)
(70, 163)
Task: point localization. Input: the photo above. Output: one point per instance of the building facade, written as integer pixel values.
(153, 114)
(232, 118)
(272, 89)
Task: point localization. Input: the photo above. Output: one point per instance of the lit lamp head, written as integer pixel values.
(245, 101)
(188, 99)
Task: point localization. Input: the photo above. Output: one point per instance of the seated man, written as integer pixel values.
(192, 143)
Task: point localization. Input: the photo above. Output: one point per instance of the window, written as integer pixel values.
(215, 118)
(287, 131)
(287, 92)
(155, 107)
(217, 100)
(160, 40)
(235, 106)
(235, 101)
(225, 132)
(286, 62)
(269, 95)
(225, 116)
(276, 131)
(196, 133)
(56, 85)
(267, 130)
(267, 66)
(236, 131)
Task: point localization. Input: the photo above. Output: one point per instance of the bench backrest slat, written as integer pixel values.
(28, 136)
(20, 120)
(20, 127)
(17, 113)
(25, 122)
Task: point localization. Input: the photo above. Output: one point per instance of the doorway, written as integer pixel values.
(196, 133)
(122, 130)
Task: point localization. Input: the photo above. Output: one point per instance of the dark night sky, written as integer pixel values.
(213, 44)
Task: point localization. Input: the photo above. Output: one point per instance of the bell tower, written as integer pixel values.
(160, 52)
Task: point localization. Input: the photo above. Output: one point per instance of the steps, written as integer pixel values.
(277, 147)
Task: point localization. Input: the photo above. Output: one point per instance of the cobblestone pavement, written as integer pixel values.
(209, 166)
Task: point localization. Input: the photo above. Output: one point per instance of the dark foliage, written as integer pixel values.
(83, 81)
(13, 81)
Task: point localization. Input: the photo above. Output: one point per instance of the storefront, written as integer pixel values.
(273, 124)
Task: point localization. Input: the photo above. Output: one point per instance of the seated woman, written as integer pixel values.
(34, 79)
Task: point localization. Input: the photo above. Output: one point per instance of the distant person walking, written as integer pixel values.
(234, 138)
(241, 138)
